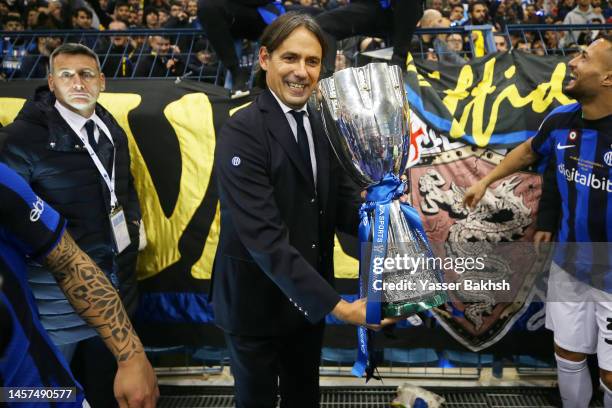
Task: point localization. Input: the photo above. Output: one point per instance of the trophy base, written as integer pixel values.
(399, 309)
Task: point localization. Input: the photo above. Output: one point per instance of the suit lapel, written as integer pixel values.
(277, 124)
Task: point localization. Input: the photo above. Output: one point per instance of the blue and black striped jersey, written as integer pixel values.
(28, 227)
(581, 151)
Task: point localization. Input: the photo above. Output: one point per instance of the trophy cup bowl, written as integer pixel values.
(366, 118)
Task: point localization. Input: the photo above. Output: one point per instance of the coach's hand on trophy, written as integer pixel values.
(355, 313)
(475, 194)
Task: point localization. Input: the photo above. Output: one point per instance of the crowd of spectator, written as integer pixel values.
(501, 13)
(175, 55)
(121, 55)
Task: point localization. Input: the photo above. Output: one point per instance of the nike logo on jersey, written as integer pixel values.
(561, 147)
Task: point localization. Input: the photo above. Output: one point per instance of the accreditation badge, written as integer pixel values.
(119, 227)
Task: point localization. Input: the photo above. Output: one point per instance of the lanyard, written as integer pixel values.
(110, 181)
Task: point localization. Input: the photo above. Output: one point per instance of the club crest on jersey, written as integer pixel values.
(573, 135)
(608, 158)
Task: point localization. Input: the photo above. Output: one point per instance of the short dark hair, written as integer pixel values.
(8, 18)
(47, 22)
(146, 12)
(85, 10)
(121, 3)
(473, 4)
(281, 28)
(73, 49)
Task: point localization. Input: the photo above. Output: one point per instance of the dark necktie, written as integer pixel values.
(302, 140)
(103, 148)
(89, 127)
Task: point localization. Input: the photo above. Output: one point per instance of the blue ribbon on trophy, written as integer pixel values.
(378, 200)
(365, 113)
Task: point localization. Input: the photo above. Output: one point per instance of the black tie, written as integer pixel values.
(89, 127)
(103, 148)
(302, 140)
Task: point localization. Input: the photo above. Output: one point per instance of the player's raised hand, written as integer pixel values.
(473, 196)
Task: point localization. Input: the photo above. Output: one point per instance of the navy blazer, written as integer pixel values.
(274, 263)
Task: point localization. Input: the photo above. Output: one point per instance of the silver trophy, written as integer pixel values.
(366, 118)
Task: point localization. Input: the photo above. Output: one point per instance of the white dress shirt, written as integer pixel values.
(293, 125)
(77, 122)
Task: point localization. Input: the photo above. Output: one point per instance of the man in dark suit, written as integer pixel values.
(283, 194)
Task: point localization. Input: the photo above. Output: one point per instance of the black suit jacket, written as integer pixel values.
(274, 263)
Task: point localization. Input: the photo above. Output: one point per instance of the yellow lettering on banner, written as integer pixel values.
(10, 109)
(540, 99)
(120, 105)
(410, 63)
(453, 96)
(411, 67)
(202, 269)
(345, 266)
(192, 120)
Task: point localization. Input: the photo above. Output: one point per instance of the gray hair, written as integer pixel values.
(73, 49)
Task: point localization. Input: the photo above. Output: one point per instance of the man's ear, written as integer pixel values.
(607, 80)
(50, 82)
(264, 57)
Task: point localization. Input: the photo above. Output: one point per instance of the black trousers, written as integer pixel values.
(367, 17)
(263, 366)
(94, 367)
(226, 20)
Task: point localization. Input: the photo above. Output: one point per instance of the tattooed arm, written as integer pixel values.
(98, 303)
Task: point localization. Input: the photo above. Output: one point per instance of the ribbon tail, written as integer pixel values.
(372, 367)
(359, 368)
(377, 205)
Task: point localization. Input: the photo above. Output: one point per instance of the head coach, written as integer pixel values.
(283, 194)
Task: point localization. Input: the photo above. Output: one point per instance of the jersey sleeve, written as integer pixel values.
(31, 223)
(542, 143)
